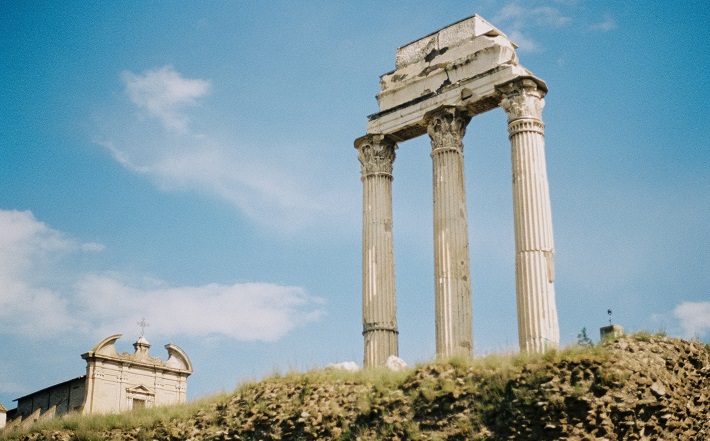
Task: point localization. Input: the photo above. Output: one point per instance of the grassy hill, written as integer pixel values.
(641, 387)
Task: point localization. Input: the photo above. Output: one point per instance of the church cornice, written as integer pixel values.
(105, 351)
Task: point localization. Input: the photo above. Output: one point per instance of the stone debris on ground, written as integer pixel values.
(395, 363)
(349, 366)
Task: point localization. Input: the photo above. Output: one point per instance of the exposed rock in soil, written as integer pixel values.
(635, 388)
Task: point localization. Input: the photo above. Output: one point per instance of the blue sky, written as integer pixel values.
(192, 163)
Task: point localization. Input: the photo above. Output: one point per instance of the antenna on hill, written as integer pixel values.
(143, 324)
(608, 311)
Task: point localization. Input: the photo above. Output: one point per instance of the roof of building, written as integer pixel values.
(83, 377)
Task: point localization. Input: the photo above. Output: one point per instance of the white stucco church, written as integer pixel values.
(113, 383)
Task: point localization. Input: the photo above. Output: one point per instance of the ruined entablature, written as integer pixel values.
(463, 65)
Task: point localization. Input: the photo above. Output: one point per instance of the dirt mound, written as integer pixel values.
(644, 388)
(635, 388)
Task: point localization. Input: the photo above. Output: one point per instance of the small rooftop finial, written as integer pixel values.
(143, 324)
(608, 311)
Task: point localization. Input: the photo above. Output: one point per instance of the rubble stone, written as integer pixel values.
(598, 394)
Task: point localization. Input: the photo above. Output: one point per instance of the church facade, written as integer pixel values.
(113, 383)
(118, 382)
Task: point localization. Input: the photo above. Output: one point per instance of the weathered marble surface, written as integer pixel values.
(379, 304)
(460, 65)
(440, 82)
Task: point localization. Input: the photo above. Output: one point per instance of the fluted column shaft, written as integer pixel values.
(379, 310)
(538, 328)
(452, 274)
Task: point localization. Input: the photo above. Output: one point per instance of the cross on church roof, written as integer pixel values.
(143, 324)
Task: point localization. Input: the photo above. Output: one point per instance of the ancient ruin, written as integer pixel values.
(440, 82)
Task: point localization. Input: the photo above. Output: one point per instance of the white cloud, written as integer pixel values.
(605, 25)
(277, 187)
(164, 93)
(523, 42)
(93, 246)
(694, 318)
(245, 311)
(23, 238)
(282, 198)
(519, 17)
(27, 248)
(34, 303)
(518, 20)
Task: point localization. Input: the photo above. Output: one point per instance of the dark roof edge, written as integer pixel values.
(51, 387)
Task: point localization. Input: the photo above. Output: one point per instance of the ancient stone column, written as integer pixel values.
(379, 308)
(452, 273)
(538, 328)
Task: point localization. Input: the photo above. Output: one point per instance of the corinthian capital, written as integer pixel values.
(446, 128)
(522, 99)
(376, 154)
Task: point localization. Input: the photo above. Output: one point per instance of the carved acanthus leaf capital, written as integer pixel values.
(446, 128)
(376, 154)
(522, 99)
